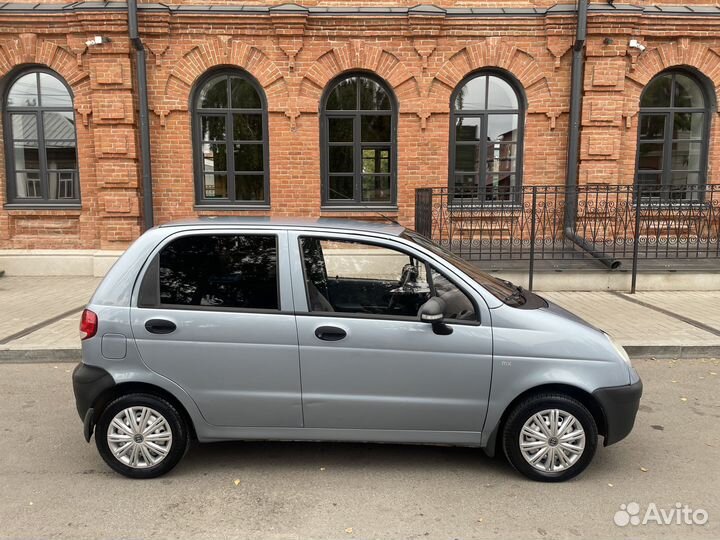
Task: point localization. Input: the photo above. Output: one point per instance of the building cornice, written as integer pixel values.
(423, 10)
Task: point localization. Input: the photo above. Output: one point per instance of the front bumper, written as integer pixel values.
(620, 406)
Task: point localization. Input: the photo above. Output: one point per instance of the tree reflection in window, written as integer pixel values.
(672, 140)
(230, 140)
(486, 138)
(231, 271)
(40, 140)
(358, 118)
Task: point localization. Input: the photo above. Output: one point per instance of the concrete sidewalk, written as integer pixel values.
(40, 317)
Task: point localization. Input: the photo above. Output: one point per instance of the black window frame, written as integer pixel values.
(13, 200)
(148, 296)
(482, 175)
(357, 114)
(231, 202)
(665, 189)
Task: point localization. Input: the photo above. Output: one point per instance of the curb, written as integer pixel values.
(40, 356)
(636, 352)
(672, 352)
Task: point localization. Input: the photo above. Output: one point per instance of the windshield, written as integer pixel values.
(503, 290)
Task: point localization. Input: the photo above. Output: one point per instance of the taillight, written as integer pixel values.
(88, 324)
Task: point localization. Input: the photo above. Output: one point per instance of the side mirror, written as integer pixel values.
(433, 310)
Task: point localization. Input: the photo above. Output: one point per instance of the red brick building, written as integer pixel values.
(329, 110)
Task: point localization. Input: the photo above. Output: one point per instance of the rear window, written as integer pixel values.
(227, 271)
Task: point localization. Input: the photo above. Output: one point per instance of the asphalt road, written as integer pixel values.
(54, 485)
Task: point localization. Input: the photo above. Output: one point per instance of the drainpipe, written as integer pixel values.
(141, 76)
(573, 158)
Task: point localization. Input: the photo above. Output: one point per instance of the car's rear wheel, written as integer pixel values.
(141, 435)
(550, 437)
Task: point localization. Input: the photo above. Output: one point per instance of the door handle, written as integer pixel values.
(160, 326)
(330, 333)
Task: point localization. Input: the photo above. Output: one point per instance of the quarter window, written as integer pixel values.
(672, 143)
(358, 119)
(40, 141)
(486, 138)
(231, 141)
(219, 271)
(347, 277)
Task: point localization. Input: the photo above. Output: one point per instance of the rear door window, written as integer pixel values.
(217, 271)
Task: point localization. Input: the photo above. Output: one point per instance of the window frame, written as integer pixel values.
(12, 198)
(151, 271)
(356, 114)
(483, 114)
(429, 266)
(667, 142)
(231, 203)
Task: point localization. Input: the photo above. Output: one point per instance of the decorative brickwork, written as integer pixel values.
(422, 55)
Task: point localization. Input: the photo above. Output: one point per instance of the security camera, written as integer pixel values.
(97, 40)
(635, 44)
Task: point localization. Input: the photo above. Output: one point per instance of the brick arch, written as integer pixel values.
(494, 54)
(353, 56)
(27, 50)
(677, 54)
(218, 52)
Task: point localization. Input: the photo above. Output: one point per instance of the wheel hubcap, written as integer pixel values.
(552, 440)
(139, 437)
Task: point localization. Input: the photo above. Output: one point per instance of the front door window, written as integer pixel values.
(347, 277)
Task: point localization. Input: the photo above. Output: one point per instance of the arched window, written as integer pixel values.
(486, 137)
(230, 140)
(358, 142)
(40, 140)
(673, 137)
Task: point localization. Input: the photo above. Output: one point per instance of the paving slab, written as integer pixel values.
(635, 325)
(26, 301)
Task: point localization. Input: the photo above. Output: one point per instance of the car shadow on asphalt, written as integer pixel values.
(290, 456)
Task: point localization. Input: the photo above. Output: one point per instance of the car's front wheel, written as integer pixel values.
(141, 435)
(550, 437)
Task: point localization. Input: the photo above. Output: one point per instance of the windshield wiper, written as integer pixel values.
(517, 296)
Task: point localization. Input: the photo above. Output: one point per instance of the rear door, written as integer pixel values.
(367, 361)
(214, 315)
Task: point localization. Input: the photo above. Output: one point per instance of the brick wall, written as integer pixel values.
(293, 57)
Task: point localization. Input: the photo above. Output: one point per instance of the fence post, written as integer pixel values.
(533, 218)
(636, 242)
(423, 212)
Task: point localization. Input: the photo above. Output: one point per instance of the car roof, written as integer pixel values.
(387, 227)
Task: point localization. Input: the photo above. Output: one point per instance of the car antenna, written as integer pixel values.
(369, 208)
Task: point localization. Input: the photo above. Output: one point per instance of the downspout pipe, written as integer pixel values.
(141, 77)
(573, 157)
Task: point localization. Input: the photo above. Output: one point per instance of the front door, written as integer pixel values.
(367, 362)
(214, 315)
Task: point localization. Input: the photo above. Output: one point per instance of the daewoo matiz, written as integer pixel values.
(241, 329)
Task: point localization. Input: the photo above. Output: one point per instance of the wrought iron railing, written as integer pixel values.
(615, 225)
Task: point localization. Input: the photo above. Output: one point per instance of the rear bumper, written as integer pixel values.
(620, 406)
(88, 383)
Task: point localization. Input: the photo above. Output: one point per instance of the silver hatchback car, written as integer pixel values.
(241, 329)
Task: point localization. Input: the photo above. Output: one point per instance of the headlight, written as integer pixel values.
(618, 348)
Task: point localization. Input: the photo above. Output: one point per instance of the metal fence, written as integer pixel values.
(614, 225)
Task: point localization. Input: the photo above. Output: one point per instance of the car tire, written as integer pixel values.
(141, 436)
(545, 453)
